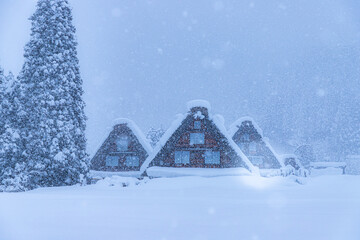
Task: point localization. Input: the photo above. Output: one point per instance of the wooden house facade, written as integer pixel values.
(248, 136)
(124, 149)
(197, 141)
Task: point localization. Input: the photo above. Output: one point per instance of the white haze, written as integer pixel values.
(294, 66)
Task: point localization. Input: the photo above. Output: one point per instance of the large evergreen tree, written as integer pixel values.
(2, 95)
(52, 92)
(13, 176)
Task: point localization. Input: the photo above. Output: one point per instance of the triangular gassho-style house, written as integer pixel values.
(249, 137)
(124, 149)
(197, 140)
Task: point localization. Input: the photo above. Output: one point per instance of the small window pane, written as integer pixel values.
(197, 138)
(212, 157)
(197, 125)
(252, 148)
(112, 161)
(256, 160)
(242, 146)
(182, 157)
(132, 161)
(245, 137)
(122, 143)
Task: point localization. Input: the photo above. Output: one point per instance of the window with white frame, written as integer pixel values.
(212, 157)
(112, 161)
(252, 148)
(122, 143)
(197, 124)
(132, 161)
(242, 145)
(197, 138)
(245, 137)
(182, 157)
(256, 160)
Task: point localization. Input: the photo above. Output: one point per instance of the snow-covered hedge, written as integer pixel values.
(119, 181)
(289, 170)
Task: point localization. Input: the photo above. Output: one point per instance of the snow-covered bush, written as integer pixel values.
(14, 179)
(290, 170)
(119, 181)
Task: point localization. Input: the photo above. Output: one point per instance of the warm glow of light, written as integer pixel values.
(259, 182)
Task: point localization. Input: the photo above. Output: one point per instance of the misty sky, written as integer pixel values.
(290, 64)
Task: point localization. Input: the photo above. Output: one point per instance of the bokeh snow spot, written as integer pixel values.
(211, 211)
(320, 92)
(218, 5)
(216, 64)
(116, 12)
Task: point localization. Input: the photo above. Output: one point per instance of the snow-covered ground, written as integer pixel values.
(231, 207)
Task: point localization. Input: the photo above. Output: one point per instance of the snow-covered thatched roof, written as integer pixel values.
(136, 130)
(133, 127)
(198, 103)
(218, 120)
(234, 127)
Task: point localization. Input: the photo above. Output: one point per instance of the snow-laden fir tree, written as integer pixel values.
(13, 176)
(347, 127)
(52, 99)
(154, 135)
(2, 89)
(2, 96)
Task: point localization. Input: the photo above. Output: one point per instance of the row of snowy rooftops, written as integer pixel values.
(251, 155)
